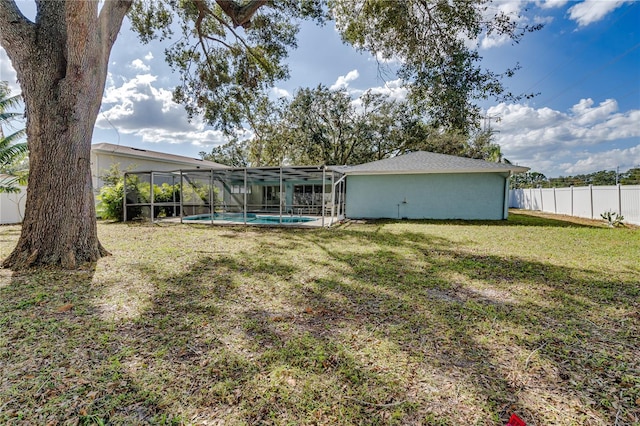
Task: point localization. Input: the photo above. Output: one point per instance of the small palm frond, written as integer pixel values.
(6, 116)
(11, 139)
(10, 102)
(10, 184)
(10, 153)
(12, 150)
(23, 177)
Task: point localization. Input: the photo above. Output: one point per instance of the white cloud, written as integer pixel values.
(394, 90)
(544, 20)
(137, 107)
(509, 8)
(148, 56)
(136, 89)
(394, 60)
(7, 73)
(202, 139)
(607, 160)
(551, 4)
(585, 114)
(556, 143)
(492, 40)
(137, 64)
(590, 11)
(343, 81)
(281, 93)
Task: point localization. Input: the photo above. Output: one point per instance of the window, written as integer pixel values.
(271, 194)
(239, 189)
(308, 195)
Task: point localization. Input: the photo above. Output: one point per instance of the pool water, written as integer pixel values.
(251, 218)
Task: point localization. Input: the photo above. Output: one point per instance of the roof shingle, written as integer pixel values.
(154, 155)
(420, 162)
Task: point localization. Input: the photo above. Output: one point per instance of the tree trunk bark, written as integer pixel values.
(59, 227)
(62, 68)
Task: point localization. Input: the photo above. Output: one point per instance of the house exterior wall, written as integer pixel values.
(427, 196)
(12, 206)
(101, 163)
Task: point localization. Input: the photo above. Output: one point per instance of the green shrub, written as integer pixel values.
(110, 201)
(612, 219)
(111, 196)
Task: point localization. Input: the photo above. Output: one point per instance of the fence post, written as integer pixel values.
(124, 198)
(591, 198)
(571, 200)
(531, 199)
(555, 202)
(541, 200)
(619, 200)
(151, 197)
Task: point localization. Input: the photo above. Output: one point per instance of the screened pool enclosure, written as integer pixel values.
(313, 196)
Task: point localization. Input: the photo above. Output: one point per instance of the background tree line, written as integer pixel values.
(602, 177)
(323, 126)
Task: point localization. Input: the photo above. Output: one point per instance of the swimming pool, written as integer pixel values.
(251, 218)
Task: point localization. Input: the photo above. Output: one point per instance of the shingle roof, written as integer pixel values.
(154, 155)
(420, 162)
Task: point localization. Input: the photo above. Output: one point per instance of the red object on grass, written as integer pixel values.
(516, 421)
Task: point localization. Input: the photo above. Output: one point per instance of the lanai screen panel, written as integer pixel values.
(310, 191)
(165, 194)
(137, 195)
(231, 188)
(211, 193)
(151, 195)
(198, 194)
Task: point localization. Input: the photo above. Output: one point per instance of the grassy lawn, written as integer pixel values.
(432, 323)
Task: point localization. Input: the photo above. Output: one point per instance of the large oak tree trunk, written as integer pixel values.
(60, 222)
(61, 62)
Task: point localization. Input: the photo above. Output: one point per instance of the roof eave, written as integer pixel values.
(188, 160)
(435, 171)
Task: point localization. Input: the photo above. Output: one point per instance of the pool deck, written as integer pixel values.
(317, 223)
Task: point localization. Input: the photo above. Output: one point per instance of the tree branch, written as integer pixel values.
(110, 19)
(203, 10)
(16, 28)
(240, 15)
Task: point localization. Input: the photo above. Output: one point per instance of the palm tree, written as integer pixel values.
(12, 152)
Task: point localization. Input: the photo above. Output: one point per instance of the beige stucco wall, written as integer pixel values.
(101, 163)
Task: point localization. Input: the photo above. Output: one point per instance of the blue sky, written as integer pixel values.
(585, 63)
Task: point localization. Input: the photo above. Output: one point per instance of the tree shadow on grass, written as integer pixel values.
(485, 335)
(244, 361)
(459, 300)
(514, 219)
(504, 332)
(66, 360)
(383, 328)
(60, 363)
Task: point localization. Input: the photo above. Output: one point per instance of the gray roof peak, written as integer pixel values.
(421, 162)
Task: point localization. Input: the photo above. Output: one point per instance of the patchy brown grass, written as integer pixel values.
(441, 323)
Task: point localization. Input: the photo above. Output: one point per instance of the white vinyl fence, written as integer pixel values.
(12, 207)
(583, 201)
